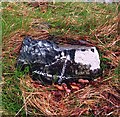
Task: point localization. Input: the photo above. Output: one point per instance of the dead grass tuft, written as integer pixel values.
(99, 98)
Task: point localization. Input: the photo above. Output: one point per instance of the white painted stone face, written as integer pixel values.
(88, 57)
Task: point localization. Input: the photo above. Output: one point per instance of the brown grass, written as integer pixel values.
(100, 97)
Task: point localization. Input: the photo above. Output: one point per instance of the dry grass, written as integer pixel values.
(100, 97)
(108, 40)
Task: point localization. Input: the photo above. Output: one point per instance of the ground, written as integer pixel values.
(90, 21)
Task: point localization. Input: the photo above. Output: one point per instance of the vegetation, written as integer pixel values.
(96, 22)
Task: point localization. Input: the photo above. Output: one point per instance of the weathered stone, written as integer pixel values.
(50, 63)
